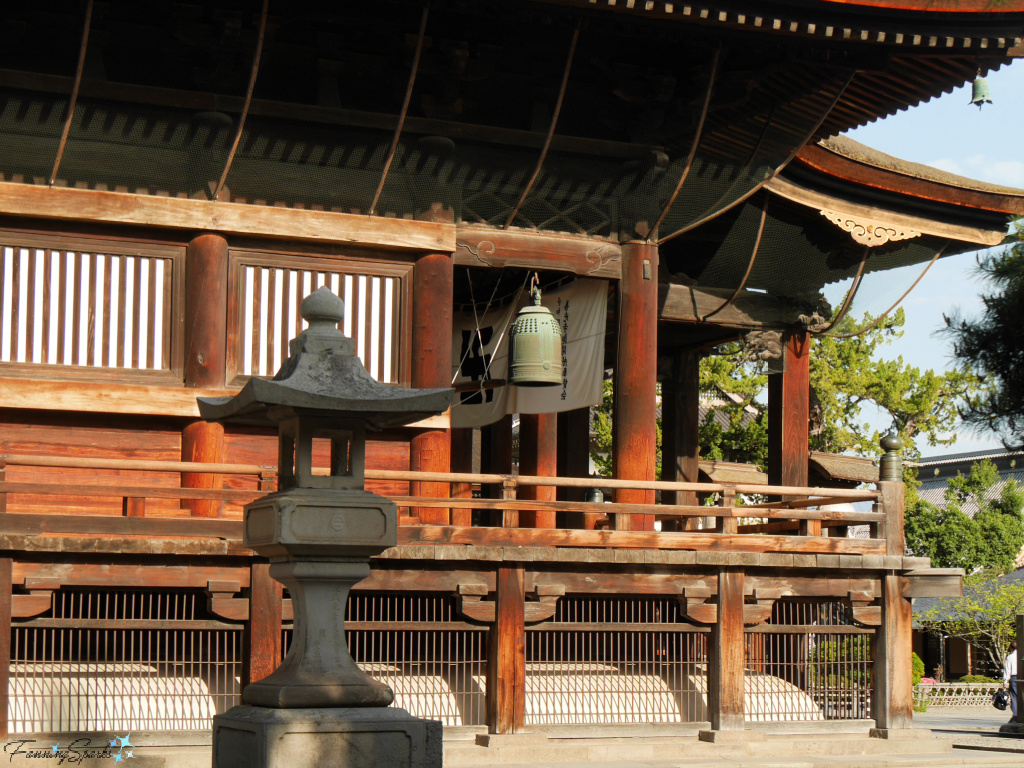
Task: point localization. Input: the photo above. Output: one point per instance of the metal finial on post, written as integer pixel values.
(891, 465)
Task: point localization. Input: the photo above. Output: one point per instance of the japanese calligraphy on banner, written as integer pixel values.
(480, 354)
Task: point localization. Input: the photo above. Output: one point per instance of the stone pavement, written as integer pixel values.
(965, 738)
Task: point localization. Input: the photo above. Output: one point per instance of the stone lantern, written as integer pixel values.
(318, 708)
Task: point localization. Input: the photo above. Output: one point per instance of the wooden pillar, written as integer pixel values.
(6, 582)
(496, 458)
(432, 366)
(634, 435)
(893, 644)
(789, 398)
(892, 504)
(725, 655)
(680, 432)
(206, 317)
(538, 456)
(262, 636)
(462, 461)
(506, 658)
(574, 461)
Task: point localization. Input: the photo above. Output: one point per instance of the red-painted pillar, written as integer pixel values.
(538, 456)
(432, 367)
(634, 438)
(789, 396)
(206, 318)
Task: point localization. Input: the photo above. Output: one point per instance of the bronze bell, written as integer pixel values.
(980, 93)
(535, 346)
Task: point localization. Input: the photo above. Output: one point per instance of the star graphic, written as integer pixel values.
(113, 743)
(55, 747)
(118, 758)
(129, 754)
(125, 740)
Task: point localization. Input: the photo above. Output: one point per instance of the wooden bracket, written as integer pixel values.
(38, 600)
(221, 602)
(866, 615)
(540, 603)
(700, 605)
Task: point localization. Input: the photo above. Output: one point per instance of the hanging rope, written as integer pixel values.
(899, 301)
(248, 101)
(693, 147)
(750, 265)
(849, 294)
(551, 129)
(405, 108)
(74, 93)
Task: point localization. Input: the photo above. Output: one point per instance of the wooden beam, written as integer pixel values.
(129, 399)
(116, 525)
(487, 247)
(725, 655)
(634, 438)
(261, 640)
(85, 205)
(529, 537)
(506, 660)
(686, 304)
(120, 574)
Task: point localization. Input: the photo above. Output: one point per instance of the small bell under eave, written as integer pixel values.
(980, 93)
(535, 346)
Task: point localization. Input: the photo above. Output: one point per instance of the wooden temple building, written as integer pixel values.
(175, 177)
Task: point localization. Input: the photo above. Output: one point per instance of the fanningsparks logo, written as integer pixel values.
(119, 749)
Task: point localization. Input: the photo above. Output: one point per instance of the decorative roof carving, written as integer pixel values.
(869, 232)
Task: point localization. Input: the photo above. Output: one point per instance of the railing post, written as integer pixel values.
(892, 500)
(727, 524)
(506, 658)
(509, 517)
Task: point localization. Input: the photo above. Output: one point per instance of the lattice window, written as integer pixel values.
(130, 660)
(435, 663)
(270, 289)
(88, 304)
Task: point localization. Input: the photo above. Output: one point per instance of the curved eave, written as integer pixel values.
(976, 25)
(847, 161)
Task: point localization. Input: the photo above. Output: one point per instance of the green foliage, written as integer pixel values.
(838, 663)
(845, 375)
(978, 679)
(984, 617)
(916, 668)
(991, 539)
(991, 347)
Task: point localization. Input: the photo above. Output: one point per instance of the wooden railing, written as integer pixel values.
(770, 526)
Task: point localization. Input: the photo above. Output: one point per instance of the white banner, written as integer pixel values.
(480, 354)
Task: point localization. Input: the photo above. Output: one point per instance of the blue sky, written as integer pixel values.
(985, 144)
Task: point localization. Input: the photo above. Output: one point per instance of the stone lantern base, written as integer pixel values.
(247, 737)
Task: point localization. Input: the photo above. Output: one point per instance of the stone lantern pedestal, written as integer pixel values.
(319, 708)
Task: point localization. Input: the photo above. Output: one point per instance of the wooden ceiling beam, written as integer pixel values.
(90, 206)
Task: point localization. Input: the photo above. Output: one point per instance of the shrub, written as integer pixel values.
(978, 679)
(917, 668)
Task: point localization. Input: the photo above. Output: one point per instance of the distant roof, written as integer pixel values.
(969, 456)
